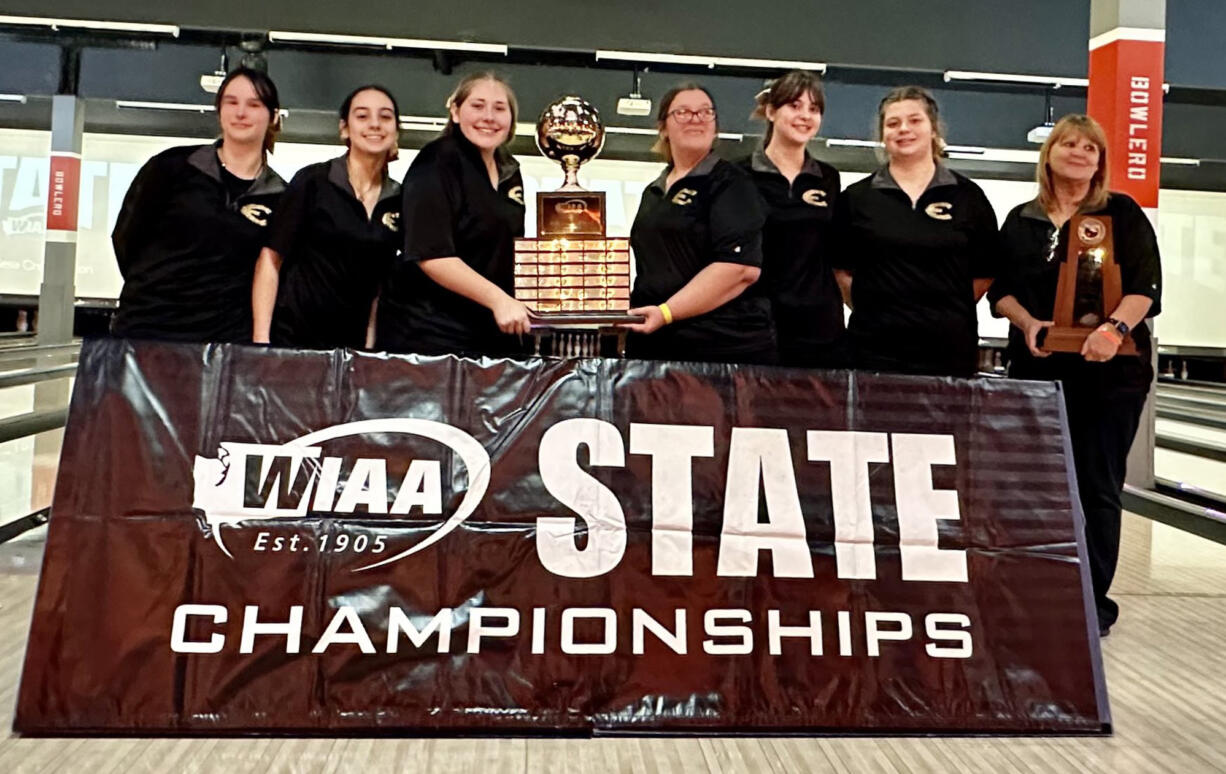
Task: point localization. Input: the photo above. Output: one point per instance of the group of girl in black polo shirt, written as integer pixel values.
(748, 262)
(214, 246)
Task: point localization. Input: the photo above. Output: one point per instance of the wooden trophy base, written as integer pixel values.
(574, 280)
(583, 320)
(1071, 339)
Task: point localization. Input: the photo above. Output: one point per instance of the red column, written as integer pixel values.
(1125, 96)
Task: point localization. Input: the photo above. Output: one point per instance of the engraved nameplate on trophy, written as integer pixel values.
(1089, 287)
(570, 213)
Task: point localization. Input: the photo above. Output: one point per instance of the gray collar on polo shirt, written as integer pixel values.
(507, 166)
(760, 162)
(703, 167)
(1032, 209)
(205, 159)
(943, 176)
(338, 173)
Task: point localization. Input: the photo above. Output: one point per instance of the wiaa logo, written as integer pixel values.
(21, 225)
(223, 494)
(571, 207)
(1091, 231)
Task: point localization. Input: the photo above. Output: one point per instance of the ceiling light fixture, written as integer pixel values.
(283, 36)
(710, 62)
(1041, 80)
(89, 24)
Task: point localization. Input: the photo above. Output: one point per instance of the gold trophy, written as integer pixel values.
(574, 279)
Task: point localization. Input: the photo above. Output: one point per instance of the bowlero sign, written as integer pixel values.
(1125, 96)
(246, 539)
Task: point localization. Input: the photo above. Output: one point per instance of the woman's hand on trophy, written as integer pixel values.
(654, 319)
(511, 316)
(1102, 344)
(1031, 329)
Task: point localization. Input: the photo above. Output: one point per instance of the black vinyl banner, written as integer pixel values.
(246, 539)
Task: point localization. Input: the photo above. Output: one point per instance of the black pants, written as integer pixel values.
(1102, 425)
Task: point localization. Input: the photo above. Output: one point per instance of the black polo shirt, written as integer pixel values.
(451, 210)
(1030, 272)
(187, 248)
(913, 301)
(334, 257)
(796, 273)
(711, 215)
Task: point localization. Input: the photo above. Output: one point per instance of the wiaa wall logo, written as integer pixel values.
(260, 482)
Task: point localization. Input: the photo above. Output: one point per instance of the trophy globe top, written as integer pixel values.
(570, 132)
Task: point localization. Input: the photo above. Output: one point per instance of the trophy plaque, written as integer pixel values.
(574, 279)
(1089, 287)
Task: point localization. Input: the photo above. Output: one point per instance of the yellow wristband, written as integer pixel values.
(668, 313)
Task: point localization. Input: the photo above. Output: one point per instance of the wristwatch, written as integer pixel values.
(1119, 325)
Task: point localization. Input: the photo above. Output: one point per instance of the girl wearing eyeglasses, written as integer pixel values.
(697, 242)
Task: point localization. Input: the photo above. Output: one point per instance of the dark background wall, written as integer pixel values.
(870, 46)
(1034, 36)
(936, 34)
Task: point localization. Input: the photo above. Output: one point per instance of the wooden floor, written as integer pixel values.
(1166, 672)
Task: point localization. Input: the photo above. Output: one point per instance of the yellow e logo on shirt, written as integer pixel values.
(516, 194)
(684, 196)
(256, 213)
(939, 211)
(815, 196)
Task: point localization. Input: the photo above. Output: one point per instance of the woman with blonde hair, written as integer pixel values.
(451, 291)
(917, 247)
(1104, 391)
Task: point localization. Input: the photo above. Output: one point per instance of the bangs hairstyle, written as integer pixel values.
(923, 96)
(784, 91)
(465, 88)
(661, 145)
(266, 90)
(1075, 123)
(347, 105)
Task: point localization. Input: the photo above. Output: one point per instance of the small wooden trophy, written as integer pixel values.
(1089, 288)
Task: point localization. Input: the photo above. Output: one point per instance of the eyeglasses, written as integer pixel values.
(687, 116)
